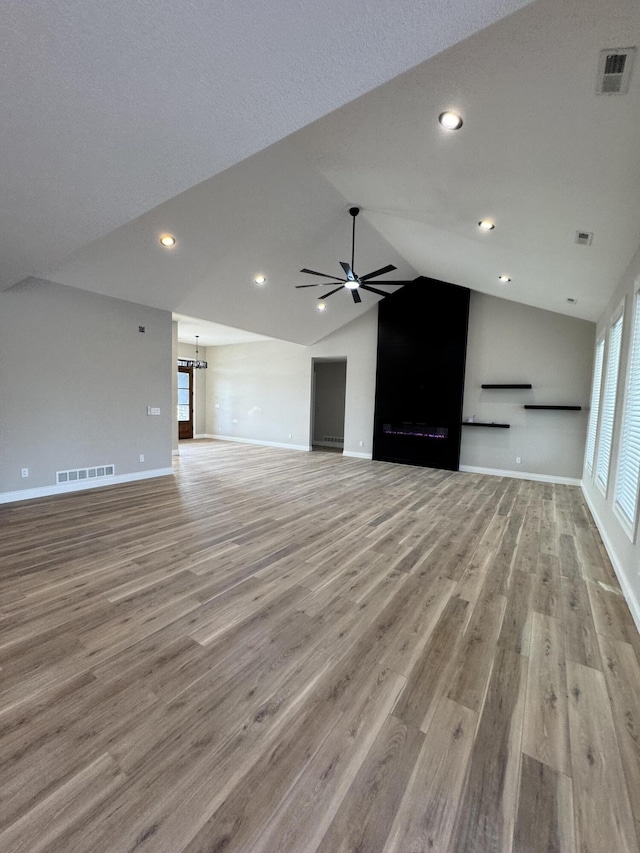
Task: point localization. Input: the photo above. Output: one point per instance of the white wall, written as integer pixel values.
(262, 391)
(513, 343)
(624, 552)
(76, 377)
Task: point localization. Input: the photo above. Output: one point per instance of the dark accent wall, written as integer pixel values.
(422, 341)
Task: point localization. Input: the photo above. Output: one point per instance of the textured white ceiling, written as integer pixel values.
(272, 214)
(540, 153)
(154, 100)
(110, 108)
(212, 334)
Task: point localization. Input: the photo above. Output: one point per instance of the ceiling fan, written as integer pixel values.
(352, 282)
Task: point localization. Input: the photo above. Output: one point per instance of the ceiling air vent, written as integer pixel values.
(584, 238)
(614, 70)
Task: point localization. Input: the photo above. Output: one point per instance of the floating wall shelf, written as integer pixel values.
(507, 386)
(563, 408)
(481, 424)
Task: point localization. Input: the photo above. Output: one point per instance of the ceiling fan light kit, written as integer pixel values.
(352, 282)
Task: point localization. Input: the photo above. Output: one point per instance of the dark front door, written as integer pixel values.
(185, 402)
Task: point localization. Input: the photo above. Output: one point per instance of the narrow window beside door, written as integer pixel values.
(185, 402)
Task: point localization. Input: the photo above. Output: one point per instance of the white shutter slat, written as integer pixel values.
(626, 496)
(595, 403)
(608, 405)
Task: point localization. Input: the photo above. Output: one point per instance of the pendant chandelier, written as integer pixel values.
(196, 363)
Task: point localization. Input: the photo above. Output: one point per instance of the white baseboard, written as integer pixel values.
(522, 475)
(259, 442)
(63, 488)
(176, 452)
(357, 455)
(632, 601)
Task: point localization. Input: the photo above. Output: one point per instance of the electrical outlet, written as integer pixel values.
(25, 472)
(141, 457)
(361, 443)
(290, 435)
(518, 460)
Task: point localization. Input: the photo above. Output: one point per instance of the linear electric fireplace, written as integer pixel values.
(416, 430)
(422, 340)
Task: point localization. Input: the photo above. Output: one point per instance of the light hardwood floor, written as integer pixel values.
(280, 651)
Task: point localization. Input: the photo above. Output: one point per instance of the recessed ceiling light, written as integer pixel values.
(486, 225)
(167, 240)
(450, 120)
(504, 278)
(260, 279)
(321, 306)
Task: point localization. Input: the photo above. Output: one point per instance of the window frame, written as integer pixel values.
(631, 392)
(610, 385)
(594, 410)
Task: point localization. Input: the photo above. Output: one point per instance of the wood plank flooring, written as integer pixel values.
(278, 651)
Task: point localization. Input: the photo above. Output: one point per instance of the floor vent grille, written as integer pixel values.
(332, 439)
(77, 474)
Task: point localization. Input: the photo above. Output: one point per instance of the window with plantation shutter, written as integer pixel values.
(603, 455)
(595, 404)
(626, 495)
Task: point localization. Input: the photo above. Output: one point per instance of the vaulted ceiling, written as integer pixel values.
(247, 131)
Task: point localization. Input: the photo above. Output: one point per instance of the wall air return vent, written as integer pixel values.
(79, 474)
(584, 238)
(614, 70)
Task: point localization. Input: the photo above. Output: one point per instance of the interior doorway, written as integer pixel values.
(185, 402)
(328, 404)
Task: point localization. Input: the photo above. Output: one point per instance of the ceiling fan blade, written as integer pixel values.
(322, 274)
(347, 271)
(331, 292)
(356, 296)
(387, 283)
(381, 271)
(374, 290)
(317, 284)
